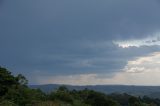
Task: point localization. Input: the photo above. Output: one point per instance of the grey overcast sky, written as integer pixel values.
(81, 42)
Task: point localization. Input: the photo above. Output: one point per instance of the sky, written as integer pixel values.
(85, 42)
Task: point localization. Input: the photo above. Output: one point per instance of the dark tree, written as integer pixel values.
(6, 81)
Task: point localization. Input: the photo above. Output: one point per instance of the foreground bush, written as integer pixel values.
(47, 103)
(7, 103)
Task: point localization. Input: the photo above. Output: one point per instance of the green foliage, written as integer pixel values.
(62, 94)
(7, 103)
(133, 101)
(15, 92)
(24, 95)
(96, 98)
(21, 79)
(47, 103)
(123, 99)
(15, 89)
(6, 81)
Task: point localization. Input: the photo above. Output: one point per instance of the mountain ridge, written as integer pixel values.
(136, 90)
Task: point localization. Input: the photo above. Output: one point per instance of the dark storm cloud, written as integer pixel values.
(72, 37)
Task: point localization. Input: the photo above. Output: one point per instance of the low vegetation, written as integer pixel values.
(15, 92)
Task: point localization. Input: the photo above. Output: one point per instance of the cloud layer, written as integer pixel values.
(140, 71)
(72, 38)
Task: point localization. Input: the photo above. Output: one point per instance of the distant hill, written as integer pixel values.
(151, 91)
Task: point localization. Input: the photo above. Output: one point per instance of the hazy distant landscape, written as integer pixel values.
(151, 91)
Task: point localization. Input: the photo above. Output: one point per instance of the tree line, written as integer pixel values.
(15, 92)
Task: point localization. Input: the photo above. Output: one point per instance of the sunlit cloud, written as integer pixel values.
(148, 63)
(148, 41)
